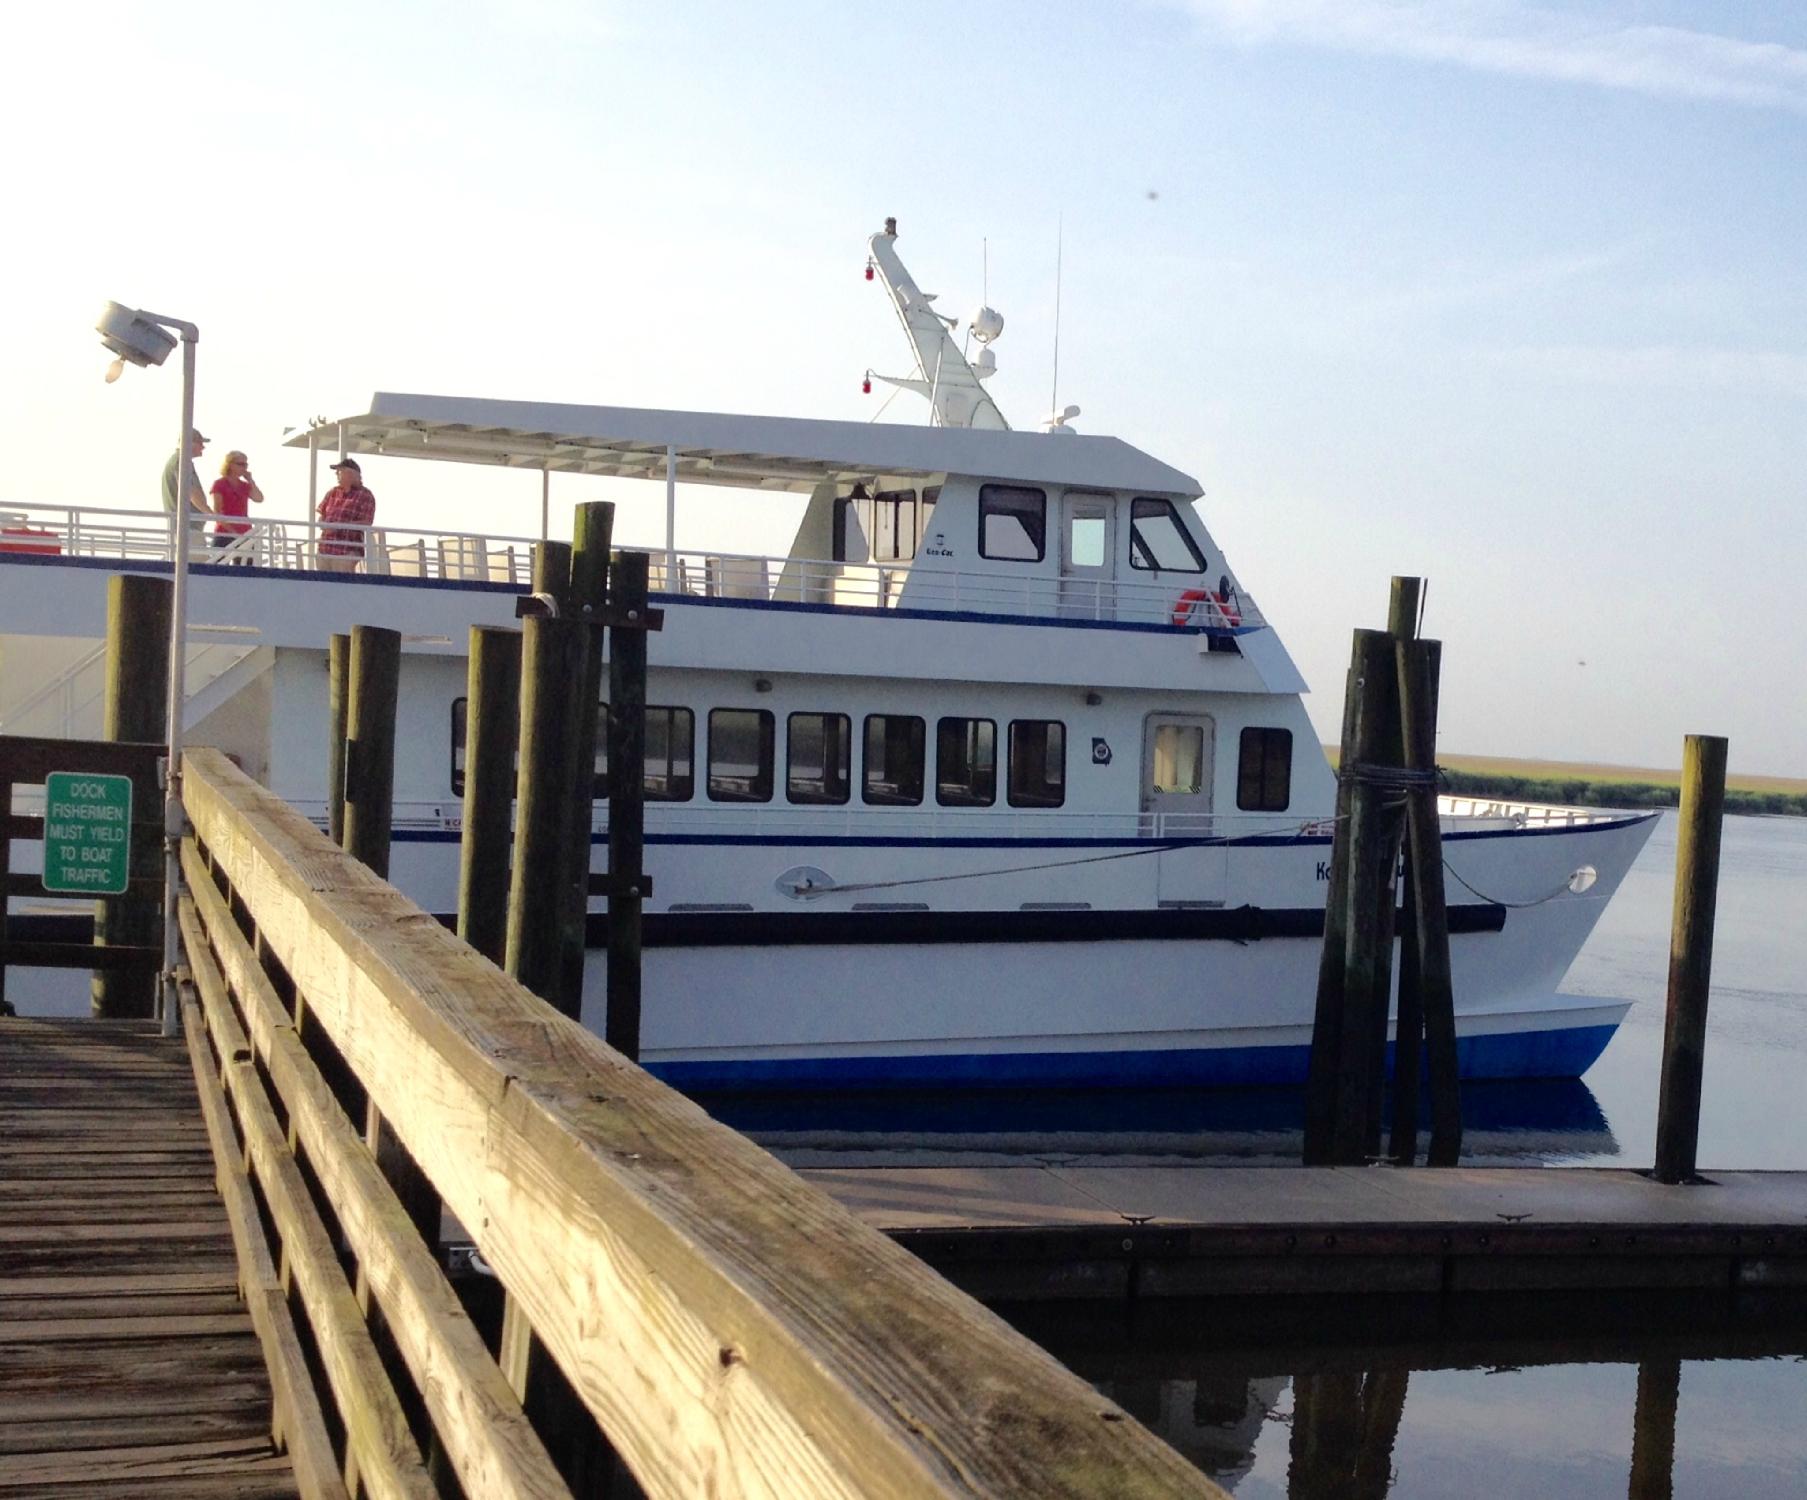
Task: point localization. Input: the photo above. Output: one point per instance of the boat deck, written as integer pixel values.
(1049, 1231)
(128, 1365)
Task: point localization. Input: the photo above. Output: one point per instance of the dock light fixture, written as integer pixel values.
(142, 338)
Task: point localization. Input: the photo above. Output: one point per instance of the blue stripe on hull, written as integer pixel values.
(1566, 1052)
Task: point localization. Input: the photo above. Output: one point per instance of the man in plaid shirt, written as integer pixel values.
(350, 505)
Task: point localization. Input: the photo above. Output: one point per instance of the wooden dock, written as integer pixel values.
(128, 1365)
(1050, 1231)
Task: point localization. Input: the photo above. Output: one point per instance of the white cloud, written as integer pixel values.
(1499, 36)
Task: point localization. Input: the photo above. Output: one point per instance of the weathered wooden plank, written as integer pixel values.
(270, 1482)
(149, 1325)
(247, 1418)
(152, 1461)
(731, 1328)
(388, 1462)
(297, 1408)
(478, 1418)
(80, 1307)
(222, 1279)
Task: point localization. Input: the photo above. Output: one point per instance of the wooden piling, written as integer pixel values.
(1368, 954)
(135, 708)
(1653, 1429)
(491, 727)
(551, 669)
(338, 676)
(627, 802)
(592, 530)
(1408, 1027)
(375, 678)
(1690, 956)
(1419, 667)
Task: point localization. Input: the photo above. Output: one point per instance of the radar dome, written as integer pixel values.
(987, 324)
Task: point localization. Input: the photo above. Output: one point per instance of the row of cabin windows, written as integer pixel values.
(1013, 527)
(819, 758)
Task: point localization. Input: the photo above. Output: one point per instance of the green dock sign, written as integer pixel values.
(87, 833)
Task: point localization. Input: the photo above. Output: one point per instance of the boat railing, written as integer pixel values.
(467, 557)
(1496, 812)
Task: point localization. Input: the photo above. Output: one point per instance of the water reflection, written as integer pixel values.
(1516, 1395)
(1535, 1120)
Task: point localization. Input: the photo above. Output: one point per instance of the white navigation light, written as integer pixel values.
(133, 337)
(987, 323)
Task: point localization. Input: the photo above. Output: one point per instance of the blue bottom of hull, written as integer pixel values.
(1565, 1052)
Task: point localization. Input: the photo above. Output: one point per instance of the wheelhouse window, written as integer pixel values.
(1038, 763)
(966, 762)
(670, 754)
(819, 758)
(1013, 523)
(893, 772)
(1159, 541)
(740, 755)
(1264, 770)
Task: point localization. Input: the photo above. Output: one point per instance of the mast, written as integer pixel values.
(943, 375)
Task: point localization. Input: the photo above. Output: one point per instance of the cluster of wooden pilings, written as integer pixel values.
(530, 783)
(1387, 805)
(1386, 802)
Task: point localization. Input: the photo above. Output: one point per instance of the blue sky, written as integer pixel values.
(1508, 295)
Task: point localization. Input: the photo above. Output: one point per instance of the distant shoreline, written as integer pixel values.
(1589, 785)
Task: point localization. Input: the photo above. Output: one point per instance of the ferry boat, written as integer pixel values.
(999, 775)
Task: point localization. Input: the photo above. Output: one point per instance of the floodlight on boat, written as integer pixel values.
(1582, 881)
(134, 337)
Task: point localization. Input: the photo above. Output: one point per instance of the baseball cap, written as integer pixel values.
(347, 463)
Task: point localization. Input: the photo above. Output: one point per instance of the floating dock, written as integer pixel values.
(1050, 1231)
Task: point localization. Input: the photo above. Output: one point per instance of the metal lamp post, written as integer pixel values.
(144, 339)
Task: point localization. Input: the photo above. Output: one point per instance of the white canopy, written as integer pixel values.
(774, 453)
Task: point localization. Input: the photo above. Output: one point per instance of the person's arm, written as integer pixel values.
(197, 496)
(256, 494)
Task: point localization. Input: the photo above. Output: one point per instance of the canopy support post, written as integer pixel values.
(545, 499)
(671, 517)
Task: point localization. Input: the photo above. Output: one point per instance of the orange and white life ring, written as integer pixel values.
(1219, 610)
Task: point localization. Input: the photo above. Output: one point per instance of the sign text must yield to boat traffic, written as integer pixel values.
(87, 833)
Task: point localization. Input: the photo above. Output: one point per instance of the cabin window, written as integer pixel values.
(460, 708)
(1013, 523)
(670, 754)
(1159, 541)
(460, 732)
(1038, 763)
(966, 762)
(893, 522)
(1264, 771)
(740, 755)
(819, 758)
(893, 769)
(1177, 761)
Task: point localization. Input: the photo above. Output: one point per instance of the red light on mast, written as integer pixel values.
(866, 386)
(868, 270)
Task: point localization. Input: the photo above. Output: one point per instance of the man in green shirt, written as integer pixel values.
(197, 494)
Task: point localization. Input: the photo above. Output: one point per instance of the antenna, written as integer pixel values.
(1060, 227)
(985, 263)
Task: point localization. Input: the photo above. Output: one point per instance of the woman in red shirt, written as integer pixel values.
(232, 492)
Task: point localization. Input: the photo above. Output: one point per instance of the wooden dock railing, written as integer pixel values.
(731, 1329)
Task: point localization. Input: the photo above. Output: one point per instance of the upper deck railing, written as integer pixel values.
(1181, 601)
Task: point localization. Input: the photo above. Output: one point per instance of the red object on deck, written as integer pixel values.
(28, 539)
